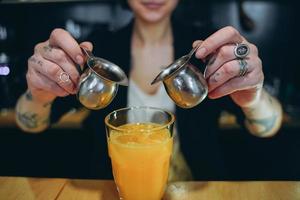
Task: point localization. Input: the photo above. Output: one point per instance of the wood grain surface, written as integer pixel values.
(15, 188)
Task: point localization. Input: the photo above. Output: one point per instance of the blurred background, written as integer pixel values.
(64, 150)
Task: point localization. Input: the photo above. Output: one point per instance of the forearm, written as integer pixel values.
(32, 116)
(264, 118)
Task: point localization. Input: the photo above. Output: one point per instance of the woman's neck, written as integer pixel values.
(152, 34)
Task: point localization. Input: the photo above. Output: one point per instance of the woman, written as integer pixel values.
(151, 41)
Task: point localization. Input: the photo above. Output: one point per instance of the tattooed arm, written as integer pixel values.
(32, 116)
(58, 55)
(263, 119)
(242, 79)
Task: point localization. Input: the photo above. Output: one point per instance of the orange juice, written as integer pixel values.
(140, 160)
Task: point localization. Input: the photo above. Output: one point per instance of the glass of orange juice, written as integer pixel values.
(140, 141)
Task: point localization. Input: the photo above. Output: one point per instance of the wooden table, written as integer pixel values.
(14, 188)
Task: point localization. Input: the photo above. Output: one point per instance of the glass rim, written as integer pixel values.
(136, 108)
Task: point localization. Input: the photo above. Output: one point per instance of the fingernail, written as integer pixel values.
(201, 52)
(197, 44)
(79, 59)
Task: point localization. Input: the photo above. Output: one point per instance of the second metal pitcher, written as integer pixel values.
(184, 83)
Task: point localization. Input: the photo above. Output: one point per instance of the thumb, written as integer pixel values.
(87, 45)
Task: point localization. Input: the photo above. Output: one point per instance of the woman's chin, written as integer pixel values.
(152, 17)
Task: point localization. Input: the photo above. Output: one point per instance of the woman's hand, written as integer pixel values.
(51, 69)
(223, 69)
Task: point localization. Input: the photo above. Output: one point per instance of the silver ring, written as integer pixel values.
(241, 51)
(243, 67)
(64, 77)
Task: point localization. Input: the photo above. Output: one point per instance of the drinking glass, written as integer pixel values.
(140, 142)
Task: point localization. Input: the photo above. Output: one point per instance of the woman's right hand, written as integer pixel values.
(51, 69)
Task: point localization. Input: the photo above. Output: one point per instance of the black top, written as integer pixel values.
(197, 127)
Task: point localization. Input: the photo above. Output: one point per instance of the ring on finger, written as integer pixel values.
(243, 67)
(64, 77)
(241, 51)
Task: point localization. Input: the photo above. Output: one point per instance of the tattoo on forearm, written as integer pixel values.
(270, 99)
(267, 123)
(263, 125)
(35, 60)
(28, 96)
(252, 111)
(31, 120)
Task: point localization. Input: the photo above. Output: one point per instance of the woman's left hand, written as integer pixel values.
(223, 68)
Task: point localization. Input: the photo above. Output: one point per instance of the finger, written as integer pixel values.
(251, 80)
(38, 81)
(53, 72)
(87, 45)
(216, 60)
(60, 58)
(62, 39)
(197, 42)
(226, 72)
(212, 43)
(223, 55)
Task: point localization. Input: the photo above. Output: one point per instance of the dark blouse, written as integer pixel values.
(197, 127)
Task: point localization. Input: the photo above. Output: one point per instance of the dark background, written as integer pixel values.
(271, 25)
